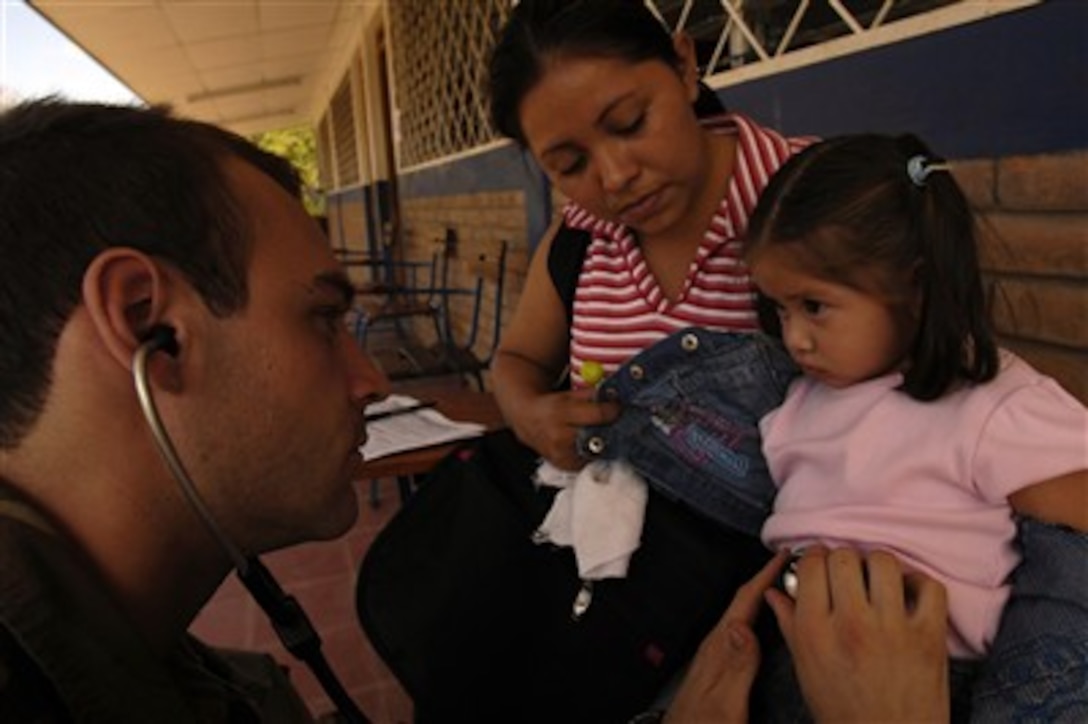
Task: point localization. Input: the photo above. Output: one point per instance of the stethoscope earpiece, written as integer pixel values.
(161, 337)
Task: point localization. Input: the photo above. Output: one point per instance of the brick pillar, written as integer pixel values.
(1034, 219)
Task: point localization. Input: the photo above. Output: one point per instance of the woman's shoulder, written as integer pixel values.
(566, 247)
(760, 152)
(756, 138)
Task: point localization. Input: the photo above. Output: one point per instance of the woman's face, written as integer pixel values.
(621, 138)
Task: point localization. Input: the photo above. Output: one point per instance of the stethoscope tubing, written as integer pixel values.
(170, 456)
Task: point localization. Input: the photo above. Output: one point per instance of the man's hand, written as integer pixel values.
(718, 683)
(866, 650)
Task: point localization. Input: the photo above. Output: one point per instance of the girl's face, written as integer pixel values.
(837, 334)
(621, 138)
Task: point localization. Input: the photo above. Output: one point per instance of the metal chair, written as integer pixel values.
(448, 354)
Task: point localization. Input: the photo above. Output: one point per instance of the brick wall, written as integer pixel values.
(1034, 214)
(479, 222)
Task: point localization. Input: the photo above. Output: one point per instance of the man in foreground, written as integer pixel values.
(115, 222)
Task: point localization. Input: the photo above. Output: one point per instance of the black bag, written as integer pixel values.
(475, 619)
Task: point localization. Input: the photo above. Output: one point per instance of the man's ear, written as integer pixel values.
(689, 63)
(124, 291)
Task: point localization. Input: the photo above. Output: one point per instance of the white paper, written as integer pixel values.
(411, 430)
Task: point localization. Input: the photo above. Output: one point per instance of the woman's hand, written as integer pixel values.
(549, 424)
(868, 643)
(534, 351)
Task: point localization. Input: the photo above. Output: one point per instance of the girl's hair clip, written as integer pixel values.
(919, 168)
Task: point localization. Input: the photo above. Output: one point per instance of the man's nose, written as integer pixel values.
(367, 382)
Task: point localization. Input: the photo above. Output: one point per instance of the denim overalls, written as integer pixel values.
(690, 421)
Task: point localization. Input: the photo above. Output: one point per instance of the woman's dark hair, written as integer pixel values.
(78, 178)
(847, 211)
(539, 30)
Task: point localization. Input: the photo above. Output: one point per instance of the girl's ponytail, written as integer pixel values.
(954, 339)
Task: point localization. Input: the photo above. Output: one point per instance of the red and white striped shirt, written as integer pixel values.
(619, 309)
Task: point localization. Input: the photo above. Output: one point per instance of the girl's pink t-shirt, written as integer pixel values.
(868, 466)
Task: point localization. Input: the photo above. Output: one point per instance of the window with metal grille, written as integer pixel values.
(324, 153)
(441, 50)
(343, 135)
(732, 33)
(440, 71)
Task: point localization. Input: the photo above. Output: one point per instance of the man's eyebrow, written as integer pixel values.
(338, 283)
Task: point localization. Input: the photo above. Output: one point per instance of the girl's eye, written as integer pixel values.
(812, 307)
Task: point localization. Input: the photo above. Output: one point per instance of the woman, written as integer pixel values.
(661, 181)
(607, 102)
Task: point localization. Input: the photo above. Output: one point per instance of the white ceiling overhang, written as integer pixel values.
(248, 65)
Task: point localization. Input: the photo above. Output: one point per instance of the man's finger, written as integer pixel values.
(746, 602)
(813, 594)
(718, 684)
(927, 597)
(846, 579)
(885, 583)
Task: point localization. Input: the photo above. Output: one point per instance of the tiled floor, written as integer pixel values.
(322, 577)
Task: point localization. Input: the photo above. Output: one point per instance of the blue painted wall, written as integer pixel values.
(1013, 84)
(501, 169)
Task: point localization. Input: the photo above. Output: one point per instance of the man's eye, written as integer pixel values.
(334, 319)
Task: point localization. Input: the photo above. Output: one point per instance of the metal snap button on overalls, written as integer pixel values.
(689, 342)
(636, 372)
(595, 444)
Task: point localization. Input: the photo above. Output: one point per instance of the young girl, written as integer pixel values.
(910, 431)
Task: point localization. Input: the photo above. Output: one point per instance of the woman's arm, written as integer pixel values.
(531, 358)
(1062, 500)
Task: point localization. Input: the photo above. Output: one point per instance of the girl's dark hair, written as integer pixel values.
(78, 178)
(848, 212)
(539, 30)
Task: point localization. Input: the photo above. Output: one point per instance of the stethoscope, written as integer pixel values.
(288, 618)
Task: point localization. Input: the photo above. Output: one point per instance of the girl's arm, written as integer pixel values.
(1062, 500)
